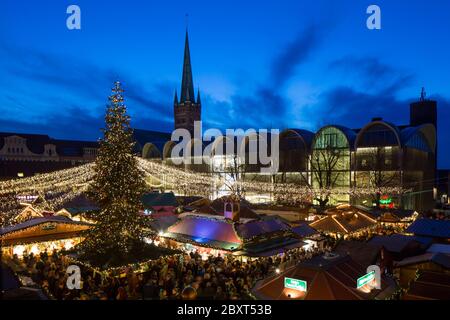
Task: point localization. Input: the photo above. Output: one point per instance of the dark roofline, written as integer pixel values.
(81, 142)
(38, 135)
(8, 134)
(37, 221)
(152, 131)
(319, 262)
(430, 228)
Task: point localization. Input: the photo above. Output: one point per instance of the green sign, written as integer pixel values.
(295, 284)
(385, 200)
(365, 279)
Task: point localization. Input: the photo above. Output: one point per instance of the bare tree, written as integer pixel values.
(325, 171)
(236, 171)
(380, 169)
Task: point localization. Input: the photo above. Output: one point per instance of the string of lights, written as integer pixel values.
(58, 187)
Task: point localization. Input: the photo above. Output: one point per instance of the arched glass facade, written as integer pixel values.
(330, 137)
(150, 151)
(419, 142)
(293, 152)
(377, 148)
(377, 161)
(337, 159)
(378, 135)
(330, 163)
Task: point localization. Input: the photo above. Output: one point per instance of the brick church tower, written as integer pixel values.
(187, 109)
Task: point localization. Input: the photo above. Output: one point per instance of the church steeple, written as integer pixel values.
(187, 83)
(187, 110)
(198, 97)
(175, 98)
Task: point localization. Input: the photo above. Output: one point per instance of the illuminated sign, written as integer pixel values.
(295, 284)
(27, 198)
(365, 279)
(385, 200)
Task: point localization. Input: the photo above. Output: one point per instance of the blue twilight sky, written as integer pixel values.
(261, 64)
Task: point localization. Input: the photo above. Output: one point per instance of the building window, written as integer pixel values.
(330, 139)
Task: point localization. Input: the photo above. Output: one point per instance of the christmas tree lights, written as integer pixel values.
(117, 186)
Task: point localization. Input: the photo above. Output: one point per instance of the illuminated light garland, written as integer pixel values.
(179, 179)
(60, 186)
(49, 181)
(340, 224)
(367, 217)
(317, 221)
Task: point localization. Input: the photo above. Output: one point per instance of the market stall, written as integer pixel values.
(40, 234)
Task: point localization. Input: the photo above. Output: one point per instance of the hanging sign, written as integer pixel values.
(295, 284)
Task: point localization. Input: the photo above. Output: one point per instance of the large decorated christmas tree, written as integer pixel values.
(117, 188)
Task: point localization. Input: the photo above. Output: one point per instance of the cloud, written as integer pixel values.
(262, 108)
(57, 82)
(67, 81)
(294, 54)
(57, 72)
(367, 66)
(372, 73)
(349, 107)
(266, 106)
(73, 123)
(373, 92)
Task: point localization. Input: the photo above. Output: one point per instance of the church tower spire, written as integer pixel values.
(187, 83)
(187, 109)
(198, 97)
(175, 98)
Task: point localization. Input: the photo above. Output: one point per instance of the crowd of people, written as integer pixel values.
(182, 276)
